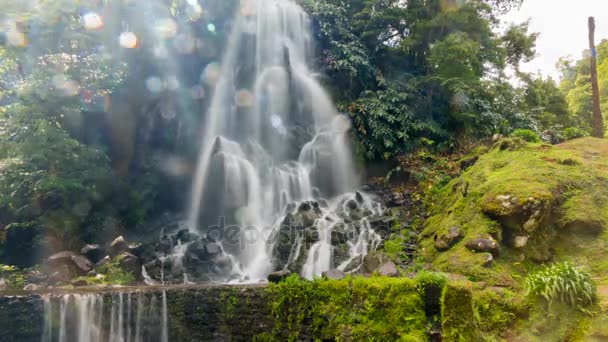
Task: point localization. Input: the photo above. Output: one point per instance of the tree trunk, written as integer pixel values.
(598, 122)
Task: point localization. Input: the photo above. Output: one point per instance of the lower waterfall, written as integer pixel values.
(92, 317)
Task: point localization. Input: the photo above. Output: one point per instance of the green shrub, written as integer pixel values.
(574, 133)
(527, 135)
(563, 282)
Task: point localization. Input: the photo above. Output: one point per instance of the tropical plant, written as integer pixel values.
(563, 282)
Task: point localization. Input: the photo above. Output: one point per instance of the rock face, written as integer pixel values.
(522, 198)
(488, 245)
(65, 265)
(446, 241)
(389, 269)
(92, 252)
(130, 263)
(276, 277)
(118, 246)
(334, 274)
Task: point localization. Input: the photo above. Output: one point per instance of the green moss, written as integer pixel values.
(497, 309)
(545, 193)
(458, 313)
(354, 308)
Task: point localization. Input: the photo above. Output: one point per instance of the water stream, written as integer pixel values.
(272, 137)
(120, 317)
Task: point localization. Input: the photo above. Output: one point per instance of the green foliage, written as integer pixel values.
(110, 274)
(422, 74)
(386, 124)
(563, 282)
(358, 308)
(527, 135)
(426, 278)
(574, 133)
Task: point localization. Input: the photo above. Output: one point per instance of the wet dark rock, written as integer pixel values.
(212, 249)
(118, 246)
(71, 262)
(277, 277)
(352, 205)
(353, 264)
(185, 235)
(484, 246)
(334, 274)
(137, 249)
(223, 264)
(389, 269)
(359, 197)
(446, 241)
(197, 250)
(92, 252)
(164, 245)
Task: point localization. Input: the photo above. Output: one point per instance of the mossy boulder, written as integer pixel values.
(458, 313)
(537, 202)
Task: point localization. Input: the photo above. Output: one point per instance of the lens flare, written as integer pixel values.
(65, 86)
(128, 40)
(244, 98)
(92, 21)
(166, 28)
(211, 27)
(184, 43)
(172, 83)
(16, 38)
(211, 74)
(154, 84)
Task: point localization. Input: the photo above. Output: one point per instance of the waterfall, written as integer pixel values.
(94, 317)
(272, 137)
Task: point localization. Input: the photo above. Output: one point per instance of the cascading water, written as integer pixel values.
(121, 317)
(272, 137)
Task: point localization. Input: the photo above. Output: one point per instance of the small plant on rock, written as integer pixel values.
(563, 282)
(527, 135)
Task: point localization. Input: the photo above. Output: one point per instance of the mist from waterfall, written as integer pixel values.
(272, 137)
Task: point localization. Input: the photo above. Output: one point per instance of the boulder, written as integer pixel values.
(92, 252)
(137, 249)
(277, 277)
(130, 263)
(446, 241)
(489, 260)
(118, 246)
(213, 249)
(520, 242)
(31, 287)
(389, 269)
(372, 262)
(334, 274)
(74, 263)
(104, 261)
(484, 246)
(185, 236)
